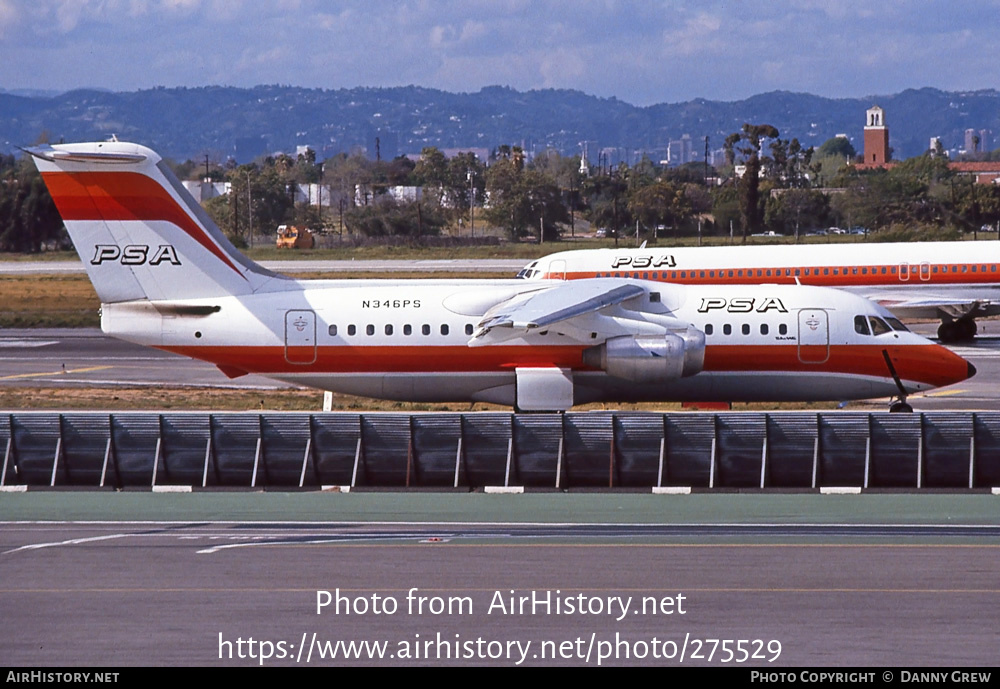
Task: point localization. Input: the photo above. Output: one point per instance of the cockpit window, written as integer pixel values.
(861, 325)
(879, 327)
(897, 325)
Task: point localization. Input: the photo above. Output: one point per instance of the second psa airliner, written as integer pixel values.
(955, 282)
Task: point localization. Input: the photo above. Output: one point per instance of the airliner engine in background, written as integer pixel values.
(168, 278)
(955, 282)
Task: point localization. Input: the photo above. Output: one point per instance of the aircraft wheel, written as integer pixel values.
(948, 331)
(967, 329)
(900, 408)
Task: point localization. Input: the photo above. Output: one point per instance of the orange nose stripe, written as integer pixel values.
(931, 364)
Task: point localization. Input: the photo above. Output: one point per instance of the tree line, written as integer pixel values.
(764, 184)
(29, 221)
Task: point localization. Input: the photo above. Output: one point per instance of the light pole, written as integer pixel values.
(322, 224)
(249, 213)
(472, 204)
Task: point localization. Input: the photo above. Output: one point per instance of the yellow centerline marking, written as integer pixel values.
(57, 373)
(945, 393)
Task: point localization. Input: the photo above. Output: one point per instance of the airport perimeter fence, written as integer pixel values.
(588, 450)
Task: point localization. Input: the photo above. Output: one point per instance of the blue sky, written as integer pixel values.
(640, 52)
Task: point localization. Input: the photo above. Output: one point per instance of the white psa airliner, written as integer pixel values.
(168, 278)
(955, 282)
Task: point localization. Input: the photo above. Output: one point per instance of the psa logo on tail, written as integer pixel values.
(135, 255)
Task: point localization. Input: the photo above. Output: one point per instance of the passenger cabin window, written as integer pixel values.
(468, 328)
(763, 328)
(388, 330)
(444, 329)
(782, 329)
(745, 329)
(709, 329)
(727, 329)
(407, 329)
(351, 330)
(333, 331)
(370, 329)
(425, 329)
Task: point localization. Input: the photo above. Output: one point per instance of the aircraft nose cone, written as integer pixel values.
(972, 371)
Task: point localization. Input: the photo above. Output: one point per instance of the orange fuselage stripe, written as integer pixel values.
(929, 363)
(821, 276)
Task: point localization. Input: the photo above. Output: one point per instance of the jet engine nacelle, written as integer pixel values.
(650, 358)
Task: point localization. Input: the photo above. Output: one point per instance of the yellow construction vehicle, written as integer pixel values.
(291, 237)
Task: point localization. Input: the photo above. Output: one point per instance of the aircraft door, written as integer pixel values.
(557, 270)
(300, 337)
(904, 272)
(814, 336)
(925, 271)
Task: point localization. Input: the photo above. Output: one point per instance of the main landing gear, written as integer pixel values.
(960, 330)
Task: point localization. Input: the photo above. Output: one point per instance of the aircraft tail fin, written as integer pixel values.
(139, 233)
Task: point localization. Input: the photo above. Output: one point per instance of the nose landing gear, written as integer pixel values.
(900, 407)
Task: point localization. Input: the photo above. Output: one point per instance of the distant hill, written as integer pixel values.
(189, 122)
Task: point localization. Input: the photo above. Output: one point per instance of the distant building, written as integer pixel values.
(482, 154)
(321, 195)
(680, 151)
(609, 158)
(982, 172)
(877, 150)
(405, 194)
(206, 189)
(977, 141)
(365, 194)
(876, 138)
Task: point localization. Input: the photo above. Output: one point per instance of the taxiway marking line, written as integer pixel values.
(57, 373)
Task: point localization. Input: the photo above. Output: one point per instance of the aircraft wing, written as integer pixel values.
(540, 309)
(937, 306)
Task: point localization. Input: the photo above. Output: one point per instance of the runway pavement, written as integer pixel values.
(86, 357)
(876, 581)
